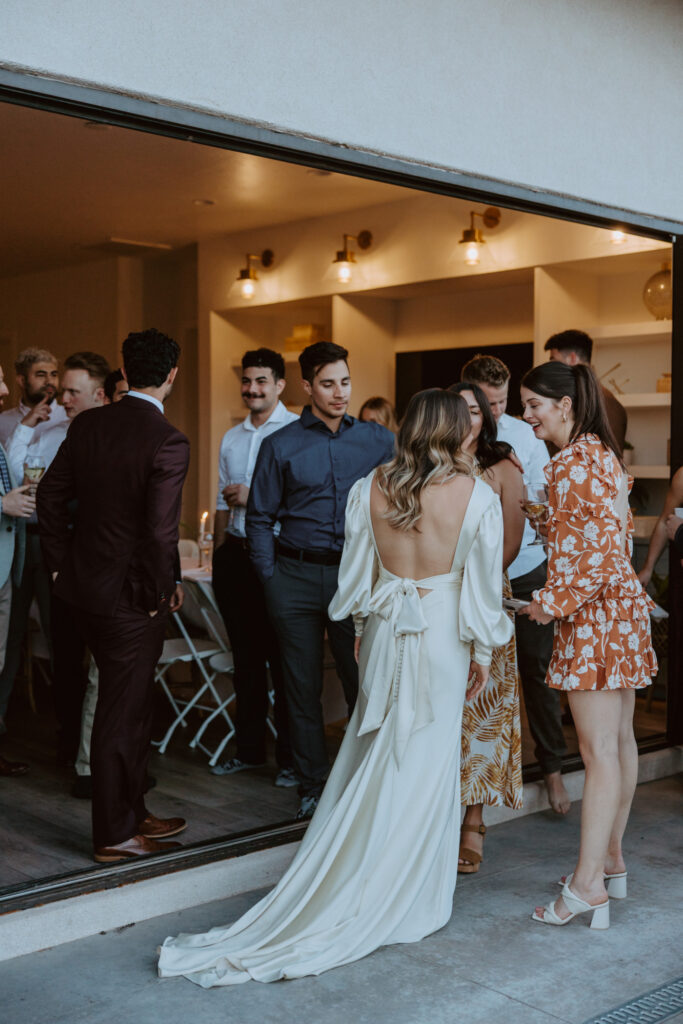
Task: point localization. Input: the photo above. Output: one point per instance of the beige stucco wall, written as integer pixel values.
(581, 97)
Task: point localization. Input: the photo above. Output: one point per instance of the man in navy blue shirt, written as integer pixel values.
(302, 478)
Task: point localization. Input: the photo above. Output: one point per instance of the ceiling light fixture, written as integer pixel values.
(248, 276)
(345, 258)
(617, 237)
(473, 237)
(203, 202)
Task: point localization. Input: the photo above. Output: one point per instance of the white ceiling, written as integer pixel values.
(66, 186)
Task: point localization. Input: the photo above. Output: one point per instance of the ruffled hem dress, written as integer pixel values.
(379, 860)
(602, 612)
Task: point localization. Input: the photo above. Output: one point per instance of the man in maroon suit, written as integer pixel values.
(124, 465)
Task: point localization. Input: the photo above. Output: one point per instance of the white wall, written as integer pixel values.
(581, 97)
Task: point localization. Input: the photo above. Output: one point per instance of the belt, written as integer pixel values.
(315, 557)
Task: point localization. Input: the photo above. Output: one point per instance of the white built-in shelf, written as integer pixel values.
(633, 333)
(645, 400)
(650, 472)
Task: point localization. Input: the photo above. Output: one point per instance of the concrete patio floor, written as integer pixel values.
(490, 964)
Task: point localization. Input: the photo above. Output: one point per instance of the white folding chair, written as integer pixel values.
(221, 662)
(200, 652)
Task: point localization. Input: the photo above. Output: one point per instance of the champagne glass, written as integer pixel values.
(34, 467)
(535, 505)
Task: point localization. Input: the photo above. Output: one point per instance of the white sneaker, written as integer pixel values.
(232, 765)
(286, 778)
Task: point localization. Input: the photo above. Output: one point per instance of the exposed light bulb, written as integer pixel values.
(617, 237)
(344, 272)
(248, 288)
(472, 254)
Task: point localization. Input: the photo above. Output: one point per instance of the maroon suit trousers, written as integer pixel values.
(126, 647)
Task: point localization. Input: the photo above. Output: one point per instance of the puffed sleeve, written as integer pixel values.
(482, 619)
(358, 568)
(583, 531)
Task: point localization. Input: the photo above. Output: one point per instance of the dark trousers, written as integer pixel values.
(534, 649)
(298, 595)
(242, 603)
(69, 677)
(126, 647)
(35, 582)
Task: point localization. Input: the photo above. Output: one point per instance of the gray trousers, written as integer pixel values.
(5, 609)
(298, 595)
(534, 649)
(82, 765)
(35, 582)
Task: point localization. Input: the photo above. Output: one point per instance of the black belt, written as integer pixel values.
(315, 557)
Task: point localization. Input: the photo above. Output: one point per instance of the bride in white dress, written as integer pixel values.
(421, 574)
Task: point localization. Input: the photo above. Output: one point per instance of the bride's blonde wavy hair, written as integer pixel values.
(428, 450)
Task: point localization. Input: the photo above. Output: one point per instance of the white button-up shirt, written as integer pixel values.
(237, 459)
(533, 455)
(43, 439)
(11, 419)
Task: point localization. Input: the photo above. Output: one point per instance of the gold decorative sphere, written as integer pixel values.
(657, 294)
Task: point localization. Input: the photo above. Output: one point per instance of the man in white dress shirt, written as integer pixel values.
(35, 426)
(527, 573)
(239, 592)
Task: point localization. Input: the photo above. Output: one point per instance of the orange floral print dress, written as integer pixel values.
(602, 632)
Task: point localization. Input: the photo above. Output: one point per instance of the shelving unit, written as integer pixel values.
(641, 472)
(645, 400)
(631, 333)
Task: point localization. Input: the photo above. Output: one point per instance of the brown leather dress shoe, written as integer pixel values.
(138, 846)
(152, 827)
(9, 769)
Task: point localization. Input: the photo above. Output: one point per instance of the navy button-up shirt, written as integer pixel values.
(302, 478)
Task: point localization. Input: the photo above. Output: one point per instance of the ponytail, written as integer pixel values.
(590, 412)
(555, 380)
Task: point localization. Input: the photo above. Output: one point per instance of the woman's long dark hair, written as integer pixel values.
(579, 383)
(489, 450)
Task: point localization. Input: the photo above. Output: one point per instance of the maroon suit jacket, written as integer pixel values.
(124, 465)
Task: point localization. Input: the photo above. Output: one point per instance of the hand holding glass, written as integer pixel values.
(535, 505)
(34, 467)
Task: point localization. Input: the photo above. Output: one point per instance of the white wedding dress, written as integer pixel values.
(378, 863)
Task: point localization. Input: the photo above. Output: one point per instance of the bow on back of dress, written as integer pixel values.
(396, 676)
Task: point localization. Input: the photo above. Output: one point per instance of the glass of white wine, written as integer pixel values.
(535, 505)
(34, 467)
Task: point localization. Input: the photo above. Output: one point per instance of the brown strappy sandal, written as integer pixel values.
(464, 853)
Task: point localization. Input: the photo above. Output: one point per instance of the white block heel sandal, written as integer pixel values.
(617, 888)
(575, 905)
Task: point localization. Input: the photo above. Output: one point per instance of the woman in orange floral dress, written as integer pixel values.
(602, 652)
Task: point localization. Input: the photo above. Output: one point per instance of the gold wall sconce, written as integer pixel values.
(248, 277)
(345, 258)
(473, 237)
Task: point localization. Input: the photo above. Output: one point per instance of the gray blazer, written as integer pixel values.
(12, 539)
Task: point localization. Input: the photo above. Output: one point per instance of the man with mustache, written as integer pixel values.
(34, 427)
(238, 590)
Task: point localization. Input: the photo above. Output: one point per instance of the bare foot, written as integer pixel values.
(557, 794)
(614, 865)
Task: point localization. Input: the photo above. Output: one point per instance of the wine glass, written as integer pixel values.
(535, 505)
(34, 467)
